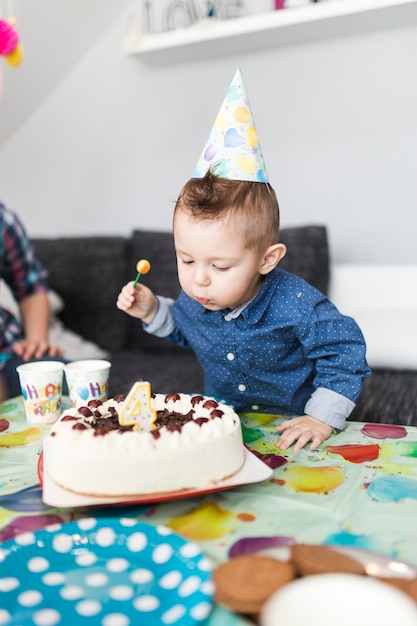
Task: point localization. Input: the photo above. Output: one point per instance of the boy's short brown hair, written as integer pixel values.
(251, 205)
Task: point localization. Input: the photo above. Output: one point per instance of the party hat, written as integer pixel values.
(232, 149)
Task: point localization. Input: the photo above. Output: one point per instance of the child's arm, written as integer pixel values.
(35, 313)
(302, 430)
(336, 345)
(138, 302)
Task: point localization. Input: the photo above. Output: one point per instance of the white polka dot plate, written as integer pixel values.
(106, 572)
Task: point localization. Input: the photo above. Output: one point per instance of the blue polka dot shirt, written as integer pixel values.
(288, 351)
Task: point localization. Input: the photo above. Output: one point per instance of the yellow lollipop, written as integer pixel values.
(142, 267)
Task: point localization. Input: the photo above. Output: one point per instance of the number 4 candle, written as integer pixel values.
(136, 410)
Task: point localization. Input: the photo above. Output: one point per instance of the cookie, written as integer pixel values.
(309, 559)
(395, 581)
(243, 583)
(411, 588)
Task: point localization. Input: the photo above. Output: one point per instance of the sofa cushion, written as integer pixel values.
(166, 371)
(73, 345)
(388, 397)
(307, 256)
(88, 273)
(158, 248)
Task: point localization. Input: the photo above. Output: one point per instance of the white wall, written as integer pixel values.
(55, 35)
(112, 146)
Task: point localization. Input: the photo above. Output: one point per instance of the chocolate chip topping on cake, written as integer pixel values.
(173, 420)
(91, 416)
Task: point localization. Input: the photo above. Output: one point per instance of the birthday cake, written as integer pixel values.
(193, 443)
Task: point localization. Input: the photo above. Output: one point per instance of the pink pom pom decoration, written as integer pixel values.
(9, 38)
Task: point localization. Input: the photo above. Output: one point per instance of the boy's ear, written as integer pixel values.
(272, 257)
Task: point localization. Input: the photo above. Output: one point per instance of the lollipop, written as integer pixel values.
(142, 267)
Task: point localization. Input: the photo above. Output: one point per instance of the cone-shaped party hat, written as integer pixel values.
(232, 149)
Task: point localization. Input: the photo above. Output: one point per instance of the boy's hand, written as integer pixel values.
(302, 430)
(138, 302)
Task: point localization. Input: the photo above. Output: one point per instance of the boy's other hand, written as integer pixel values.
(302, 430)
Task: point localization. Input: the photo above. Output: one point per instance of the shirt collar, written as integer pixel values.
(254, 309)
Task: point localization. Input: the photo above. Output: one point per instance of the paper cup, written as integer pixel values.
(41, 384)
(87, 380)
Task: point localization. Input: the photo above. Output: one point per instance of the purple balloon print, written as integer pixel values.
(28, 523)
(210, 152)
(246, 545)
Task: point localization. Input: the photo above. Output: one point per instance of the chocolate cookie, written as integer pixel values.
(244, 583)
(411, 588)
(309, 559)
(395, 581)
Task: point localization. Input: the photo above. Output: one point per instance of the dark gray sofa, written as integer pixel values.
(88, 273)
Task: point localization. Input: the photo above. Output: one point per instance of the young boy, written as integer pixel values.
(267, 340)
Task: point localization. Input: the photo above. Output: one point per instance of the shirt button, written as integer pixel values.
(227, 318)
(241, 387)
(230, 356)
(255, 407)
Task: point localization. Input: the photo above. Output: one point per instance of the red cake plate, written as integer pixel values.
(253, 470)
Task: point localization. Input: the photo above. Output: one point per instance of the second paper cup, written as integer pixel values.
(87, 380)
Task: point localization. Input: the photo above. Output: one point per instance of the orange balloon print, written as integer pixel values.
(246, 517)
(313, 479)
(356, 453)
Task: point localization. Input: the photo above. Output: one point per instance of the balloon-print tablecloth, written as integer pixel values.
(359, 489)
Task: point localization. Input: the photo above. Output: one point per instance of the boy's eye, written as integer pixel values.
(187, 261)
(221, 269)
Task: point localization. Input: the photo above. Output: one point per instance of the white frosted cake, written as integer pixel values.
(194, 443)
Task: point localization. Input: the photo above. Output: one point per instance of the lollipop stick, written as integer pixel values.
(137, 279)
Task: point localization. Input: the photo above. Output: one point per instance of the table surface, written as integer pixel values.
(358, 490)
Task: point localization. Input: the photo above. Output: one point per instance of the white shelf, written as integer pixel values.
(320, 20)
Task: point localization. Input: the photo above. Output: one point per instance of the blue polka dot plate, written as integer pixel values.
(106, 572)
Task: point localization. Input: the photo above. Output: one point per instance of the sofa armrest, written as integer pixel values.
(383, 301)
